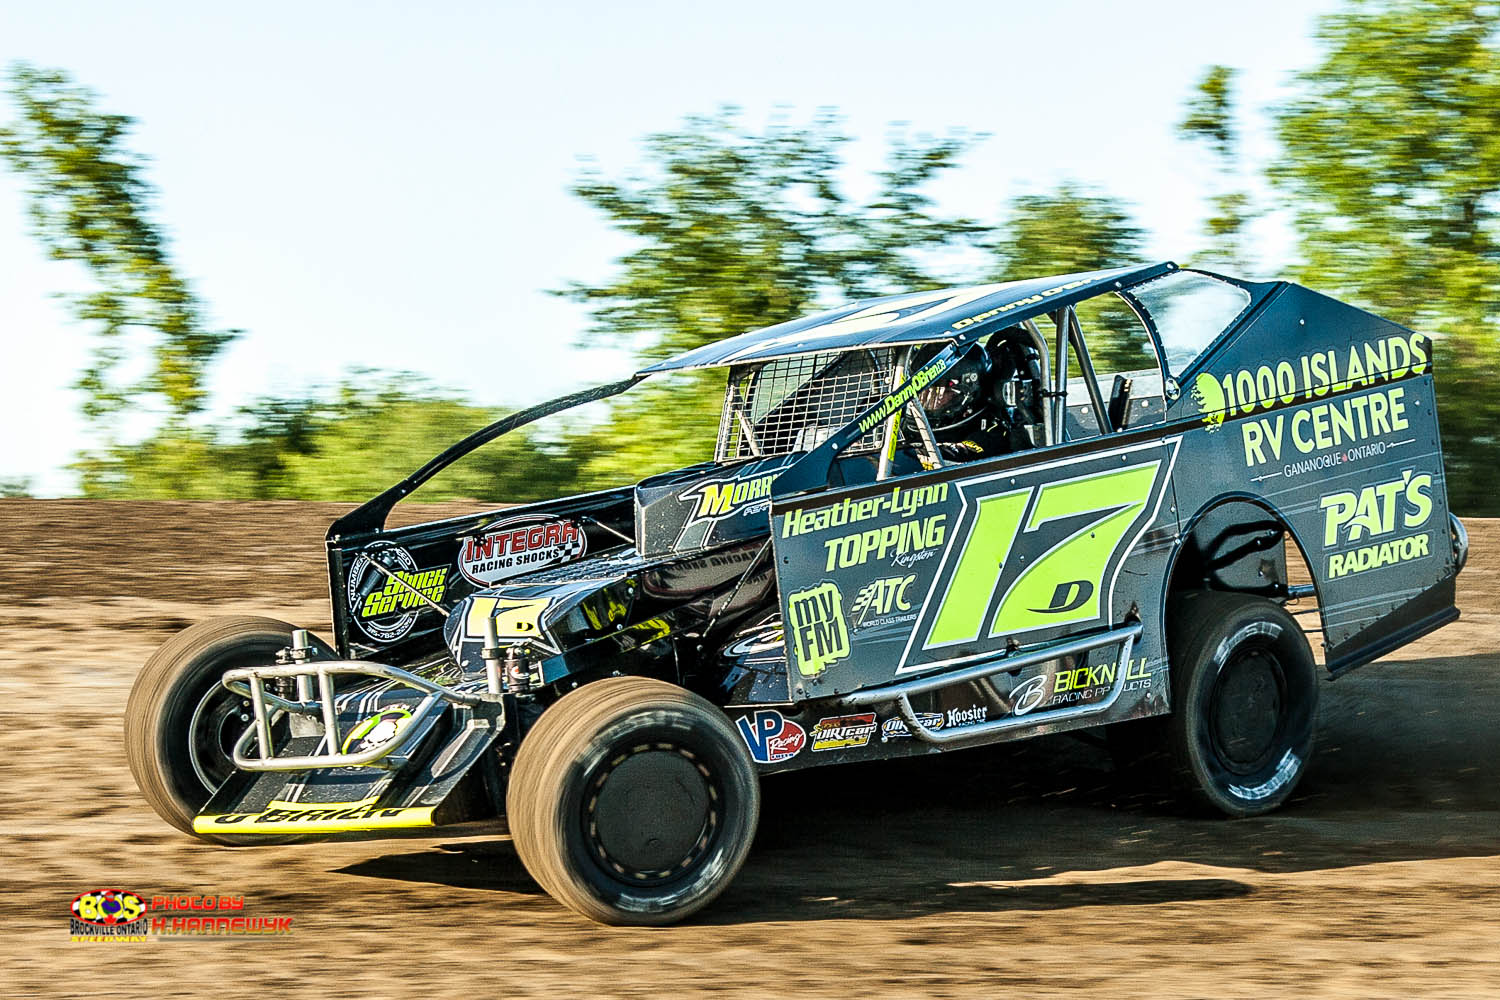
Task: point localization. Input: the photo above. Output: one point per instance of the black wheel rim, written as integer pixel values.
(218, 721)
(652, 813)
(1248, 710)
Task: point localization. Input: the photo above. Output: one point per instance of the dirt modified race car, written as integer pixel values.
(933, 521)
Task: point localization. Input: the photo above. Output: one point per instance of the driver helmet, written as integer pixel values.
(958, 395)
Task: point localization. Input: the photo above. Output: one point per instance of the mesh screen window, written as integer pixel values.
(794, 404)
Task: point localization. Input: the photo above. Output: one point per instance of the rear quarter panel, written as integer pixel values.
(1326, 415)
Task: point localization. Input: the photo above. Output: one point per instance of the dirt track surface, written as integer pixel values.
(1024, 870)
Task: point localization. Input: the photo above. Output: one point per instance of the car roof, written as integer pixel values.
(944, 314)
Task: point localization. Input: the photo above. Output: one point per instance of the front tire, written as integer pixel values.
(633, 801)
(1245, 702)
(180, 722)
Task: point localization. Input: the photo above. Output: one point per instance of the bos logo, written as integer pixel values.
(770, 737)
(107, 907)
(816, 629)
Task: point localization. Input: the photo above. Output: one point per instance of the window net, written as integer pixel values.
(794, 404)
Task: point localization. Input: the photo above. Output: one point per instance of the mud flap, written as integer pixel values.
(425, 791)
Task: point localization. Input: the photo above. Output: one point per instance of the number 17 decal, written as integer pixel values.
(1041, 556)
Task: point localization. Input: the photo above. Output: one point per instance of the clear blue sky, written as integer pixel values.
(380, 185)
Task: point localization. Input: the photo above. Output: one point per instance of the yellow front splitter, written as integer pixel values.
(321, 817)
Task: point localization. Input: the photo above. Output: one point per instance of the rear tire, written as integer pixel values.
(633, 801)
(180, 722)
(1244, 702)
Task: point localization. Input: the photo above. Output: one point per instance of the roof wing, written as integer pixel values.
(948, 314)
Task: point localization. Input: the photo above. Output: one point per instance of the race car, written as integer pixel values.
(933, 521)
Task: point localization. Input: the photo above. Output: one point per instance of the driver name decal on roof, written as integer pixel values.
(901, 309)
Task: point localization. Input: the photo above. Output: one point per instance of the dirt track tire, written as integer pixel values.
(177, 766)
(633, 801)
(1244, 703)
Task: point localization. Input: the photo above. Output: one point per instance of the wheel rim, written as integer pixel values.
(219, 720)
(652, 813)
(1248, 710)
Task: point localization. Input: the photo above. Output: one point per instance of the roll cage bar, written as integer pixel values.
(811, 471)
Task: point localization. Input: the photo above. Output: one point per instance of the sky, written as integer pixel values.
(384, 185)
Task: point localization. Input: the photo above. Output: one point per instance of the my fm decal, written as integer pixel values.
(770, 737)
(385, 605)
(815, 627)
(520, 545)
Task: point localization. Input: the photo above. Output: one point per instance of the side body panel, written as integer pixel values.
(965, 565)
(445, 561)
(1326, 416)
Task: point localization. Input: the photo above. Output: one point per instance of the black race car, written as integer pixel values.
(933, 521)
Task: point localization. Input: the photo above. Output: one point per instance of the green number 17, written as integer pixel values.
(1061, 584)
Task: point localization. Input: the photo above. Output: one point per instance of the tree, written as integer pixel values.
(1391, 161)
(737, 229)
(90, 204)
(1210, 119)
(1071, 230)
(348, 443)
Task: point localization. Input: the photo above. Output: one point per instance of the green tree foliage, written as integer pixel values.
(1210, 119)
(736, 229)
(1391, 159)
(1069, 230)
(90, 204)
(348, 444)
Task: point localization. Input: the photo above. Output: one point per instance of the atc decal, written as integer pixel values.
(770, 737)
(520, 545)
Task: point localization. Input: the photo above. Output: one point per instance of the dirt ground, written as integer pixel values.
(1025, 870)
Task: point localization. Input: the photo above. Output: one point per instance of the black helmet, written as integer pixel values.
(958, 395)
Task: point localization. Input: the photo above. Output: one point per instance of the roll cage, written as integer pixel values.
(849, 374)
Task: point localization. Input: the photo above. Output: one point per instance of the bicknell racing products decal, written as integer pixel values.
(520, 545)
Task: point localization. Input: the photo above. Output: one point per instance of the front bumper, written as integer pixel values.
(323, 775)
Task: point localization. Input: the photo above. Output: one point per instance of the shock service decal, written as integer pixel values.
(385, 605)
